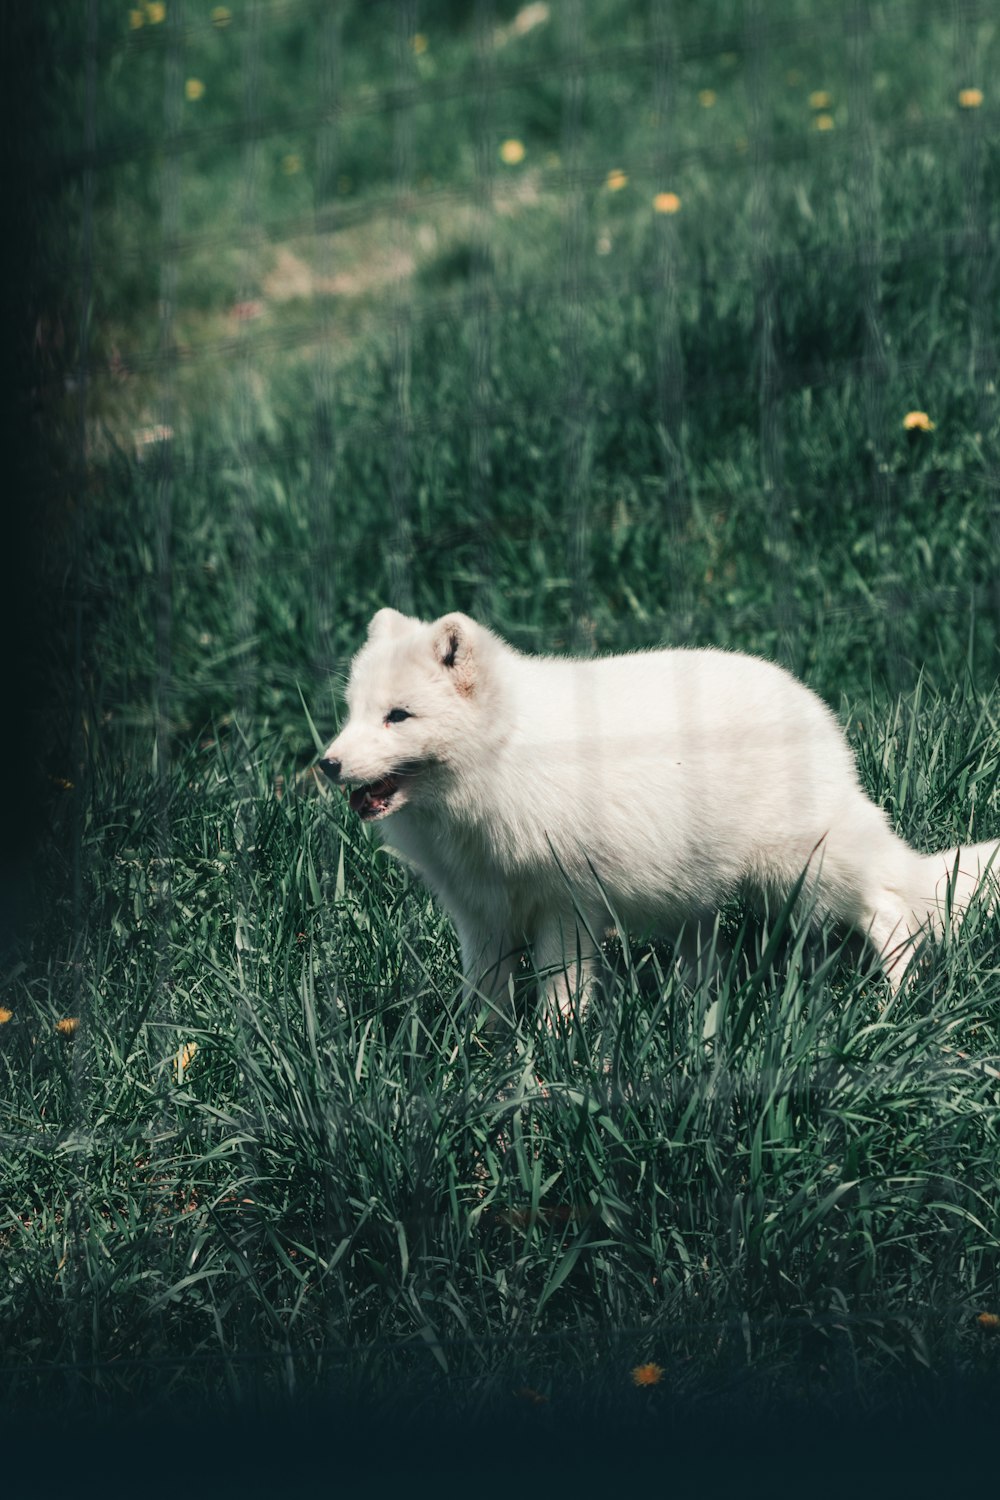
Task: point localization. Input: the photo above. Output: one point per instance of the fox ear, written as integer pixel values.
(453, 648)
(386, 622)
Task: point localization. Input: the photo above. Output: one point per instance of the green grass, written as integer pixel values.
(596, 427)
(773, 1167)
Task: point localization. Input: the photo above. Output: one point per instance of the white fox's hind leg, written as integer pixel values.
(942, 887)
(868, 879)
(894, 933)
(955, 876)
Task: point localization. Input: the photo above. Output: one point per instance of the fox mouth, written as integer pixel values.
(378, 798)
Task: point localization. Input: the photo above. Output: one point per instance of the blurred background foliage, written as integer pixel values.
(599, 320)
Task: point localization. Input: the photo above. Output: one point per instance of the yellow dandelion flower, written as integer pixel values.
(666, 203)
(823, 122)
(136, 19)
(647, 1374)
(988, 1320)
(67, 1025)
(5, 1015)
(616, 180)
(156, 12)
(918, 421)
(819, 99)
(418, 42)
(291, 164)
(512, 152)
(970, 98)
(184, 1058)
(707, 97)
(221, 16)
(194, 89)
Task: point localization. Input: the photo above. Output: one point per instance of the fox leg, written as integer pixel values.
(568, 958)
(893, 932)
(489, 959)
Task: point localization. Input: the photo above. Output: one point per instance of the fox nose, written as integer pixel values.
(330, 768)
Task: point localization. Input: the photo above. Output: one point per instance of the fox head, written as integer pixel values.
(414, 690)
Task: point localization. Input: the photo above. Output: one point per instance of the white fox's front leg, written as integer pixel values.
(569, 961)
(489, 958)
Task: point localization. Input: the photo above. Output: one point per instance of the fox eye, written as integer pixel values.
(397, 715)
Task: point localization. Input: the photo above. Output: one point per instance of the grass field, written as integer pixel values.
(604, 331)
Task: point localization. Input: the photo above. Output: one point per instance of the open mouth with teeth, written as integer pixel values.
(378, 798)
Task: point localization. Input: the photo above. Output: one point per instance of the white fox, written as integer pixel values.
(535, 794)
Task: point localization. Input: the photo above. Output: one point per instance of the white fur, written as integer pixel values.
(541, 790)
